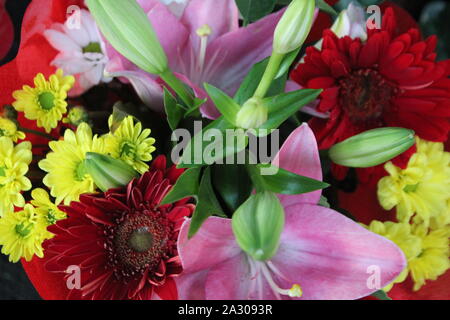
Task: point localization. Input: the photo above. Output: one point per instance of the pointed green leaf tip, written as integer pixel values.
(107, 172)
(257, 225)
(128, 29)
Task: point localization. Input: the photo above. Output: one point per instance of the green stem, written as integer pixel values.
(269, 75)
(178, 87)
(37, 133)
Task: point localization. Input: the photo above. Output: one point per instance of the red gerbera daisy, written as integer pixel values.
(124, 243)
(390, 80)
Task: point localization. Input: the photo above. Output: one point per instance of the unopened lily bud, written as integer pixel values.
(372, 147)
(294, 27)
(257, 225)
(252, 115)
(107, 172)
(128, 29)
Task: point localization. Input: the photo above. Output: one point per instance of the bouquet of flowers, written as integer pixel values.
(222, 149)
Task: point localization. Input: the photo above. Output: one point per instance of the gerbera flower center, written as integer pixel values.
(140, 241)
(365, 95)
(93, 47)
(46, 100)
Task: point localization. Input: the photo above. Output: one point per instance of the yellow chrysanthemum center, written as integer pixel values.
(46, 102)
(426, 250)
(130, 143)
(14, 161)
(422, 189)
(22, 234)
(9, 129)
(66, 176)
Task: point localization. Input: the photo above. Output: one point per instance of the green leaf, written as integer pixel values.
(194, 110)
(186, 186)
(174, 111)
(323, 202)
(207, 204)
(207, 142)
(287, 62)
(322, 5)
(251, 81)
(283, 106)
(233, 191)
(226, 105)
(381, 295)
(282, 181)
(253, 10)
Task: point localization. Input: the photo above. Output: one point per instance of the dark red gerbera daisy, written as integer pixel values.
(124, 243)
(389, 80)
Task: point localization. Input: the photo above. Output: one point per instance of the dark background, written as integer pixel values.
(434, 17)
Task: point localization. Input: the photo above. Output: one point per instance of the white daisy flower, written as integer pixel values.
(81, 50)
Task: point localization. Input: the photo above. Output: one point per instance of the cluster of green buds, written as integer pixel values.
(290, 35)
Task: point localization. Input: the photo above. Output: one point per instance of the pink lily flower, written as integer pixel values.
(326, 254)
(204, 44)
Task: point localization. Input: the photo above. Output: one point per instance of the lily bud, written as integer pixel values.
(257, 225)
(128, 29)
(372, 147)
(253, 114)
(294, 27)
(107, 172)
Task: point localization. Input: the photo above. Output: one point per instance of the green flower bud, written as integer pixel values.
(252, 115)
(107, 172)
(372, 147)
(76, 116)
(294, 27)
(128, 29)
(257, 225)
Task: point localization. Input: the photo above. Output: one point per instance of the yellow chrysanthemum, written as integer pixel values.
(422, 189)
(14, 161)
(426, 251)
(67, 177)
(76, 116)
(433, 260)
(46, 102)
(130, 143)
(9, 129)
(22, 234)
(45, 207)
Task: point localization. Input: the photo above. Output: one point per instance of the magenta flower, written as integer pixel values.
(328, 255)
(204, 44)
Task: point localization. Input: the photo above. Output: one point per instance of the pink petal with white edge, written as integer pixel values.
(300, 155)
(147, 88)
(221, 16)
(212, 244)
(331, 257)
(236, 52)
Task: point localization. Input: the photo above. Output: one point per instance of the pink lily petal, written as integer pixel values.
(234, 280)
(300, 155)
(191, 286)
(331, 257)
(172, 34)
(236, 52)
(147, 88)
(221, 16)
(212, 244)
